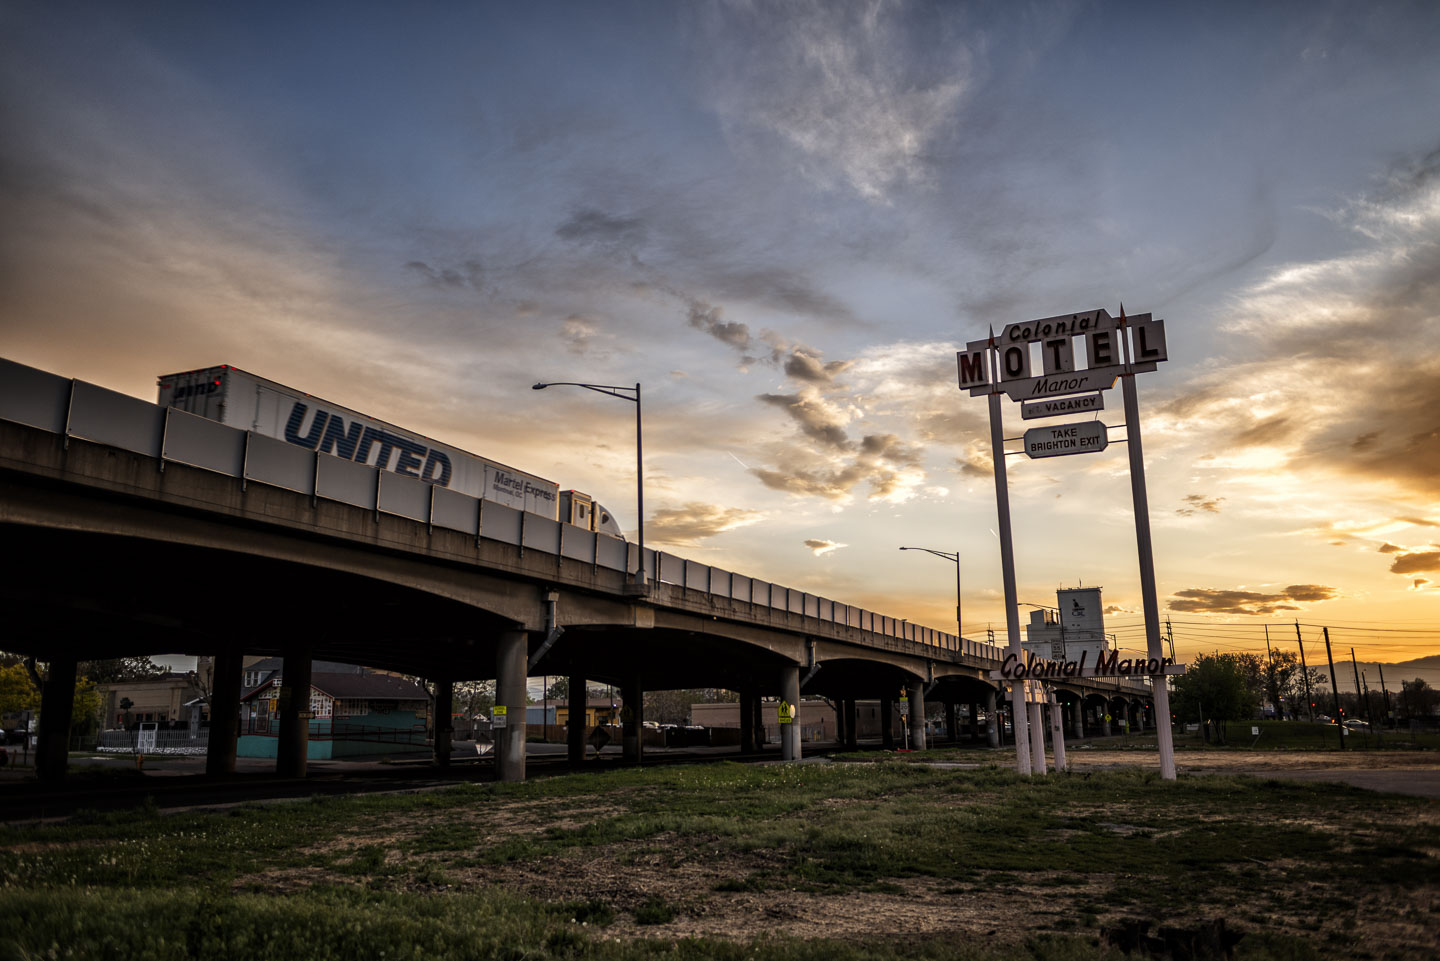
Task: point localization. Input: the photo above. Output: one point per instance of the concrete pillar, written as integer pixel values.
(1123, 717)
(952, 722)
(1037, 737)
(575, 726)
(852, 725)
(974, 721)
(632, 721)
(444, 723)
(1140, 719)
(57, 703)
(1104, 722)
(917, 716)
(747, 722)
(790, 693)
(1077, 717)
(992, 722)
(511, 654)
(757, 721)
(224, 713)
(887, 724)
(292, 753)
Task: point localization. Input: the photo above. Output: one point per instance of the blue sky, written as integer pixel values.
(783, 219)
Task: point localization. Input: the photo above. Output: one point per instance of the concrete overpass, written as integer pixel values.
(135, 529)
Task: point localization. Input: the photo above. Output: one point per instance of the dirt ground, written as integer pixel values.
(686, 872)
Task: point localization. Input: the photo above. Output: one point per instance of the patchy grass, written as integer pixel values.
(724, 860)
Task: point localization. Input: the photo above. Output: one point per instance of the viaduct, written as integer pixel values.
(132, 529)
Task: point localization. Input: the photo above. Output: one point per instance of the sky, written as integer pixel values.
(783, 219)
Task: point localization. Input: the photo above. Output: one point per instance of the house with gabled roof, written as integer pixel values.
(351, 715)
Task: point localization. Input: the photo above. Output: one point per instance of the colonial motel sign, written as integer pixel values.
(1053, 367)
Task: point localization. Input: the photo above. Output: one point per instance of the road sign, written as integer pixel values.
(1078, 404)
(499, 716)
(787, 713)
(1087, 437)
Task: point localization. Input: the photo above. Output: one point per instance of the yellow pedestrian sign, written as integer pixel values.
(787, 712)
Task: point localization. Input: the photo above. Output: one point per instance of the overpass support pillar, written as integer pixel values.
(224, 713)
(1077, 717)
(57, 703)
(747, 722)
(633, 721)
(1140, 719)
(511, 655)
(887, 724)
(444, 720)
(852, 725)
(992, 723)
(292, 752)
(917, 717)
(576, 723)
(757, 722)
(1105, 718)
(790, 693)
(952, 722)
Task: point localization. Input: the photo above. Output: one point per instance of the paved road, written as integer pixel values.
(1420, 782)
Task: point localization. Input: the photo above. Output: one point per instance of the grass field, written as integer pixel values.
(838, 861)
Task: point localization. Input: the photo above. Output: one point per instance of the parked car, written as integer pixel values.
(1355, 724)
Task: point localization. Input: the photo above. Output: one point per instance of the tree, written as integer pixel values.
(559, 689)
(17, 691)
(1418, 699)
(1219, 688)
(110, 670)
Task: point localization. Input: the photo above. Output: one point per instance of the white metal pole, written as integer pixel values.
(1057, 731)
(1037, 736)
(1159, 691)
(1018, 711)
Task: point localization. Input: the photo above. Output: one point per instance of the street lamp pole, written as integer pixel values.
(954, 558)
(630, 394)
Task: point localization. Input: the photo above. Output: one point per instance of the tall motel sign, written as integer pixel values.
(1037, 364)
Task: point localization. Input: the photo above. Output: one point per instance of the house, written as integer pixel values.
(168, 699)
(352, 714)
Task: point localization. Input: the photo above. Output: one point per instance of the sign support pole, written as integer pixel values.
(1018, 709)
(1158, 684)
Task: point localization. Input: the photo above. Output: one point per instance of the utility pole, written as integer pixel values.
(1170, 636)
(1334, 686)
(1270, 678)
(1385, 694)
(1358, 695)
(1369, 714)
(1305, 673)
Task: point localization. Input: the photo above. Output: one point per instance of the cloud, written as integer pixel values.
(804, 365)
(1388, 548)
(468, 275)
(820, 548)
(1199, 502)
(1207, 601)
(1117, 609)
(1416, 562)
(1419, 583)
(694, 522)
(816, 417)
(707, 317)
(838, 90)
(580, 336)
(590, 226)
(1370, 313)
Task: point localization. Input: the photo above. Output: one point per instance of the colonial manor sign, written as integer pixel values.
(1055, 366)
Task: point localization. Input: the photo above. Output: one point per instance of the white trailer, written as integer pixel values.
(240, 399)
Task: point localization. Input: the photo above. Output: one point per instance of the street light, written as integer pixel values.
(955, 559)
(624, 393)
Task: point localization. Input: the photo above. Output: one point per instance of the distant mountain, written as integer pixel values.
(1426, 668)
